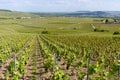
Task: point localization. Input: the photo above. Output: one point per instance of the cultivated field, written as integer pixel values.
(59, 48)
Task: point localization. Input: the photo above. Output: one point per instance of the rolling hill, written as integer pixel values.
(84, 14)
(15, 14)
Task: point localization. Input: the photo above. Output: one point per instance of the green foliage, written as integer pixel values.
(21, 68)
(15, 75)
(59, 75)
(98, 78)
(1, 59)
(45, 32)
(15, 70)
(48, 64)
(106, 21)
(114, 69)
(70, 57)
(100, 30)
(7, 75)
(116, 33)
(81, 76)
(91, 69)
(11, 66)
(80, 63)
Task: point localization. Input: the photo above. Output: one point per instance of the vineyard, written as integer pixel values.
(59, 40)
(59, 57)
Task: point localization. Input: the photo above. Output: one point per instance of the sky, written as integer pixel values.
(60, 5)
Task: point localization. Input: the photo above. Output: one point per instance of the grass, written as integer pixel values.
(57, 26)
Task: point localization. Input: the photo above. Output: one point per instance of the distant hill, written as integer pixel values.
(96, 13)
(84, 14)
(89, 13)
(5, 10)
(15, 14)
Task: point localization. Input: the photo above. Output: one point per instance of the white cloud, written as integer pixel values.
(83, 0)
(58, 2)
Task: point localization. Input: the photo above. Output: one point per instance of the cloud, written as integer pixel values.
(83, 0)
(61, 1)
(57, 2)
(59, 5)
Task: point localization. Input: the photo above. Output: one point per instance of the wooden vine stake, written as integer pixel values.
(88, 63)
(119, 65)
(54, 67)
(14, 61)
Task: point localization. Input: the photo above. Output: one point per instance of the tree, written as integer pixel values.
(106, 21)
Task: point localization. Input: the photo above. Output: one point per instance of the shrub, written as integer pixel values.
(100, 30)
(74, 28)
(45, 32)
(103, 30)
(96, 30)
(116, 33)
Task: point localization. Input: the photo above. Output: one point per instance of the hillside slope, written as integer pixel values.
(15, 14)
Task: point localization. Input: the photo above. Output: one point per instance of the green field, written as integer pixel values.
(58, 25)
(29, 45)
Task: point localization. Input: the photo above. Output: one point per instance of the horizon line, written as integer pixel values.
(62, 11)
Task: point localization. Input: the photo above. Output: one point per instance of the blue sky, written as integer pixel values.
(60, 5)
